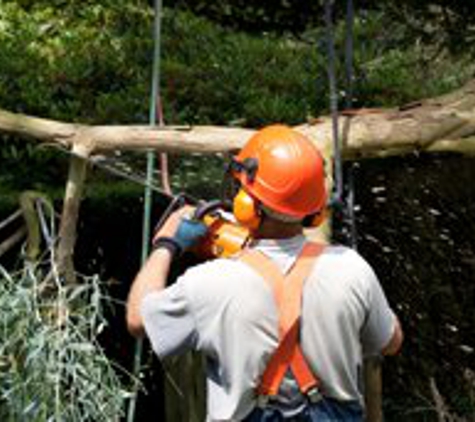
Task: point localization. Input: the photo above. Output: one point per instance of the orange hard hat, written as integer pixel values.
(283, 170)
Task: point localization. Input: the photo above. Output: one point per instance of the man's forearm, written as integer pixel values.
(151, 277)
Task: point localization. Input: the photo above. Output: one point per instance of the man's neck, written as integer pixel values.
(272, 229)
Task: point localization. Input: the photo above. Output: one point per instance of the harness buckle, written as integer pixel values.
(314, 395)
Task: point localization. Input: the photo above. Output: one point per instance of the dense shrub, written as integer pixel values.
(91, 62)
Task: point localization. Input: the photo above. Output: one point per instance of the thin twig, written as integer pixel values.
(7, 244)
(443, 414)
(10, 218)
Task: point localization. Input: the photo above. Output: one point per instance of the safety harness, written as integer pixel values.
(287, 290)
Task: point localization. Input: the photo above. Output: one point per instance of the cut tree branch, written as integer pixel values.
(69, 218)
(445, 123)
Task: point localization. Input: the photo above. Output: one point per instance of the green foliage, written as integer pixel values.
(213, 75)
(51, 365)
(448, 24)
(413, 76)
(91, 62)
(277, 16)
(93, 66)
(39, 169)
(389, 68)
(72, 63)
(435, 22)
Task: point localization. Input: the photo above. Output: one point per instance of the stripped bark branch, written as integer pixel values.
(445, 123)
(69, 218)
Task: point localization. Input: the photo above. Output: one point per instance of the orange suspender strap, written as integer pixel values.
(288, 297)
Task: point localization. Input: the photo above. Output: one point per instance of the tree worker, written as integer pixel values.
(285, 324)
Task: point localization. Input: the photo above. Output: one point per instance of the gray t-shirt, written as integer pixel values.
(225, 309)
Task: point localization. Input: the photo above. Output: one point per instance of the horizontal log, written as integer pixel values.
(45, 130)
(88, 139)
(445, 123)
(199, 139)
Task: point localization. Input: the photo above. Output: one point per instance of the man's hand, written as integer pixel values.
(180, 231)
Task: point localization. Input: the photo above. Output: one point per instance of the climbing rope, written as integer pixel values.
(342, 199)
(333, 94)
(154, 102)
(349, 25)
(349, 37)
(347, 205)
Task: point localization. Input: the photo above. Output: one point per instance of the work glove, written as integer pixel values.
(180, 232)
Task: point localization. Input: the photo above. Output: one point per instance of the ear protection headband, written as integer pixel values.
(246, 208)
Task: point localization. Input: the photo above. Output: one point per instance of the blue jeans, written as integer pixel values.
(327, 410)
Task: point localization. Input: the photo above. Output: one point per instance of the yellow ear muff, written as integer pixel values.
(245, 210)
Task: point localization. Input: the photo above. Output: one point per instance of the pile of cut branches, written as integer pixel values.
(52, 367)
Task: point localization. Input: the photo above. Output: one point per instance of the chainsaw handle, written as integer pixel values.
(209, 207)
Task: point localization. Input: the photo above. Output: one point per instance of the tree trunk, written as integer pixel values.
(69, 218)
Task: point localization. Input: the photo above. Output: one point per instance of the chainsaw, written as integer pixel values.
(224, 238)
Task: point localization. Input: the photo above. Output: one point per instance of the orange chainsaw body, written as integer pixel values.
(224, 238)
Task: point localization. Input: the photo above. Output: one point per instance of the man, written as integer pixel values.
(285, 324)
